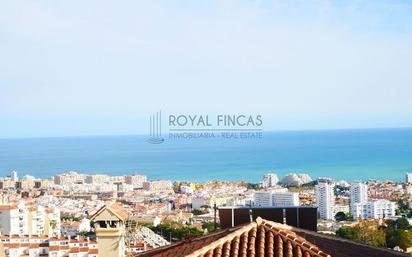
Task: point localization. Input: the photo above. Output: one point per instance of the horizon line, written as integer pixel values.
(171, 130)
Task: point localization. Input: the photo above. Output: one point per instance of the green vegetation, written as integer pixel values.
(404, 209)
(197, 212)
(393, 233)
(253, 186)
(341, 216)
(173, 233)
(210, 226)
(65, 216)
(53, 224)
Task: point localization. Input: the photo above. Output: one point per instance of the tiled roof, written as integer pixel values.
(7, 207)
(116, 209)
(269, 239)
(93, 251)
(261, 238)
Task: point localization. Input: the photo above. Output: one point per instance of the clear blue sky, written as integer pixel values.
(101, 67)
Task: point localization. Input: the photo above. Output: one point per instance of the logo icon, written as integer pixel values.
(156, 128)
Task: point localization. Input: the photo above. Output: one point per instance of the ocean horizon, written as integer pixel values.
(348, 154)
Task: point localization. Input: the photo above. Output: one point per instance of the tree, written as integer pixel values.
(405, 240)
(402, 223)
(392, 238)
(53, 224)
(364, 234)
(340, 216)
(347, 233)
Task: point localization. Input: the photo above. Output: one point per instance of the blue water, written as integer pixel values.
(341, 154)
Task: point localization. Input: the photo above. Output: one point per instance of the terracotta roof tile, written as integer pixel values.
(259, 239)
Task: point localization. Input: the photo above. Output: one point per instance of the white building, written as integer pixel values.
(69, 178)
(158, 185)
(13, 219)
(263, 199)
(186, 189)
(136, 180)
(408, 189)
(379, 209)
(408, 177)
(325, 198)
(198, 202)
(97, 179)
(19, 219)
(70, 228)
(275, 199)
(13, 176)
(42, 245)
(270, 180)
(358, 195)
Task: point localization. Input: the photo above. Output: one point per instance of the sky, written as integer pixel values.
(70, 68)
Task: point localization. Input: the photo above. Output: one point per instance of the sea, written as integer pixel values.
(382, 154)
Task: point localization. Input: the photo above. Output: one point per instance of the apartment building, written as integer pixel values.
(136, 180)
(97, 179)
(69, 177)
(275, 199)
(408, 178)
(42, 245)
(158, 185)
(13, 219)
(358, 197)
(378, 209)
(72, 228)
(325, 198)
(22, 219)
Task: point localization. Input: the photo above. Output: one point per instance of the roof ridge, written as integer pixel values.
(223, 240)
(287, 233)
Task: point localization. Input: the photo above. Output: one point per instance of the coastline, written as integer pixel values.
(341, 154)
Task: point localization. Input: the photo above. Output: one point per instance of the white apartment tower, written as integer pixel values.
(358, 193)
(358, 197)
(408, 177)
(270, 180)
(325, 198)
(13, 176)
